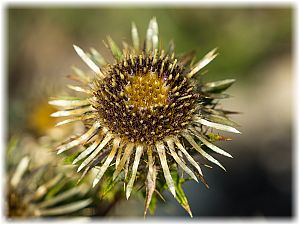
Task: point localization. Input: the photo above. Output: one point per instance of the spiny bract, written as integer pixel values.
(142, 110)
(40, 190)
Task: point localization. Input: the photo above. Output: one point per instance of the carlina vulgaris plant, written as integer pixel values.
(147, 113)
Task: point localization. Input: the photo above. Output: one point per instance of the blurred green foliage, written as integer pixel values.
(245, 36)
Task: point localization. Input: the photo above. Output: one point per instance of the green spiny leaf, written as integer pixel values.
(69, 159)
(180, 196)
(54, 190)
(114, 49)
(217, 86)
(153, 204)
(110, 183)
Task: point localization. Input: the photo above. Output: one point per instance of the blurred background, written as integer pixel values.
(255, 46)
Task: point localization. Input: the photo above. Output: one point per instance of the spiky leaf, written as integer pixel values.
(180, 196)
(218, 86)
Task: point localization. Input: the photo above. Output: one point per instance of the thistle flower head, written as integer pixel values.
(40, 190)
(145, 112)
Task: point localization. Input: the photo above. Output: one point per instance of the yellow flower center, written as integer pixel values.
(147, 91)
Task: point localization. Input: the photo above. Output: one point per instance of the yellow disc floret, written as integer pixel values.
(147, 91)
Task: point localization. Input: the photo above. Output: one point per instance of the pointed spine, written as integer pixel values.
(135, 36)
(216, 125)
(90, 133)
(107, 162)
(163, 160)
(201, 151)
(88, 61)
(202, 63)
(208, 144)
(178, 160)
(127, 153)
(104, 142)
(138, 154)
